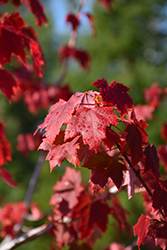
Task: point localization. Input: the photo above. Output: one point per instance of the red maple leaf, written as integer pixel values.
(164, 131)
(91, 123)
(10, 215)
(86, 99)
(111, 138)
(37, 9)
(104, 167)
(7, 177)
(7, 82)
(153, 94)
(90, 214)
(5, 151)
(159, 196)
(80, 55)
(73, 19)
(140, 229)
(27, 142)
(144, 112)
(114, 94)
(120, 215)
(59, 114)
(152, 160)
(158, 231)
(135, 139)
(68, 188)
(60, 151)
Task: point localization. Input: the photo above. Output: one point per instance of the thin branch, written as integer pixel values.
(32, 234)
(34, 178)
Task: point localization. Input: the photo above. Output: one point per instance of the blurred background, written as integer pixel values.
(130, 47)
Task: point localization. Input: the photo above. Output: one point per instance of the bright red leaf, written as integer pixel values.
(59, 114)
(114, 94)
(7, 177)
(140, 229)
(91, 123)
(5, 151)
(104, 167)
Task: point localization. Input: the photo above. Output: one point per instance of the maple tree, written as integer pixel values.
(100, 130)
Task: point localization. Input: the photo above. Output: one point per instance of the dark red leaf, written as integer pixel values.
(37, 9)
(91, 123)
(7, 82)
(164, 131)
(73, 19)
(134, 143)
(104, 167)
(152, 160)
(114, 94)
(159, 196)
(158, 231)
(5, 151)
(111, 138)
(90, 214)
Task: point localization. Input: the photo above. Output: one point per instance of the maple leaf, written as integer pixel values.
(75, 246)
(27, 142)
(162, 153)
(91, 22)
(120, 215)
(73, 19)
(80, 55)
(104, 167)
(7, 177)
(86, 99)
(144, 112)
(152, 160)
(158, 231)
(91, 123)
(68, 188)
(61, 151)
(10, 215)
(140, 229)
(111, 138)
(90, 214)
(5, 151)
(159, 196)
(114, 94)
(153, 94)
(59, 114)
(7, 82)
(134, 142)
(37, 9)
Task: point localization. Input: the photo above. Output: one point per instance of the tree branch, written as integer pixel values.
(9, 244)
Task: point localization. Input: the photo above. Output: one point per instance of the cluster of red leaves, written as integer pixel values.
(92, 139)
(35, 93)
(78, 215)
(10, 215)
(34, 6)
(13, 28)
